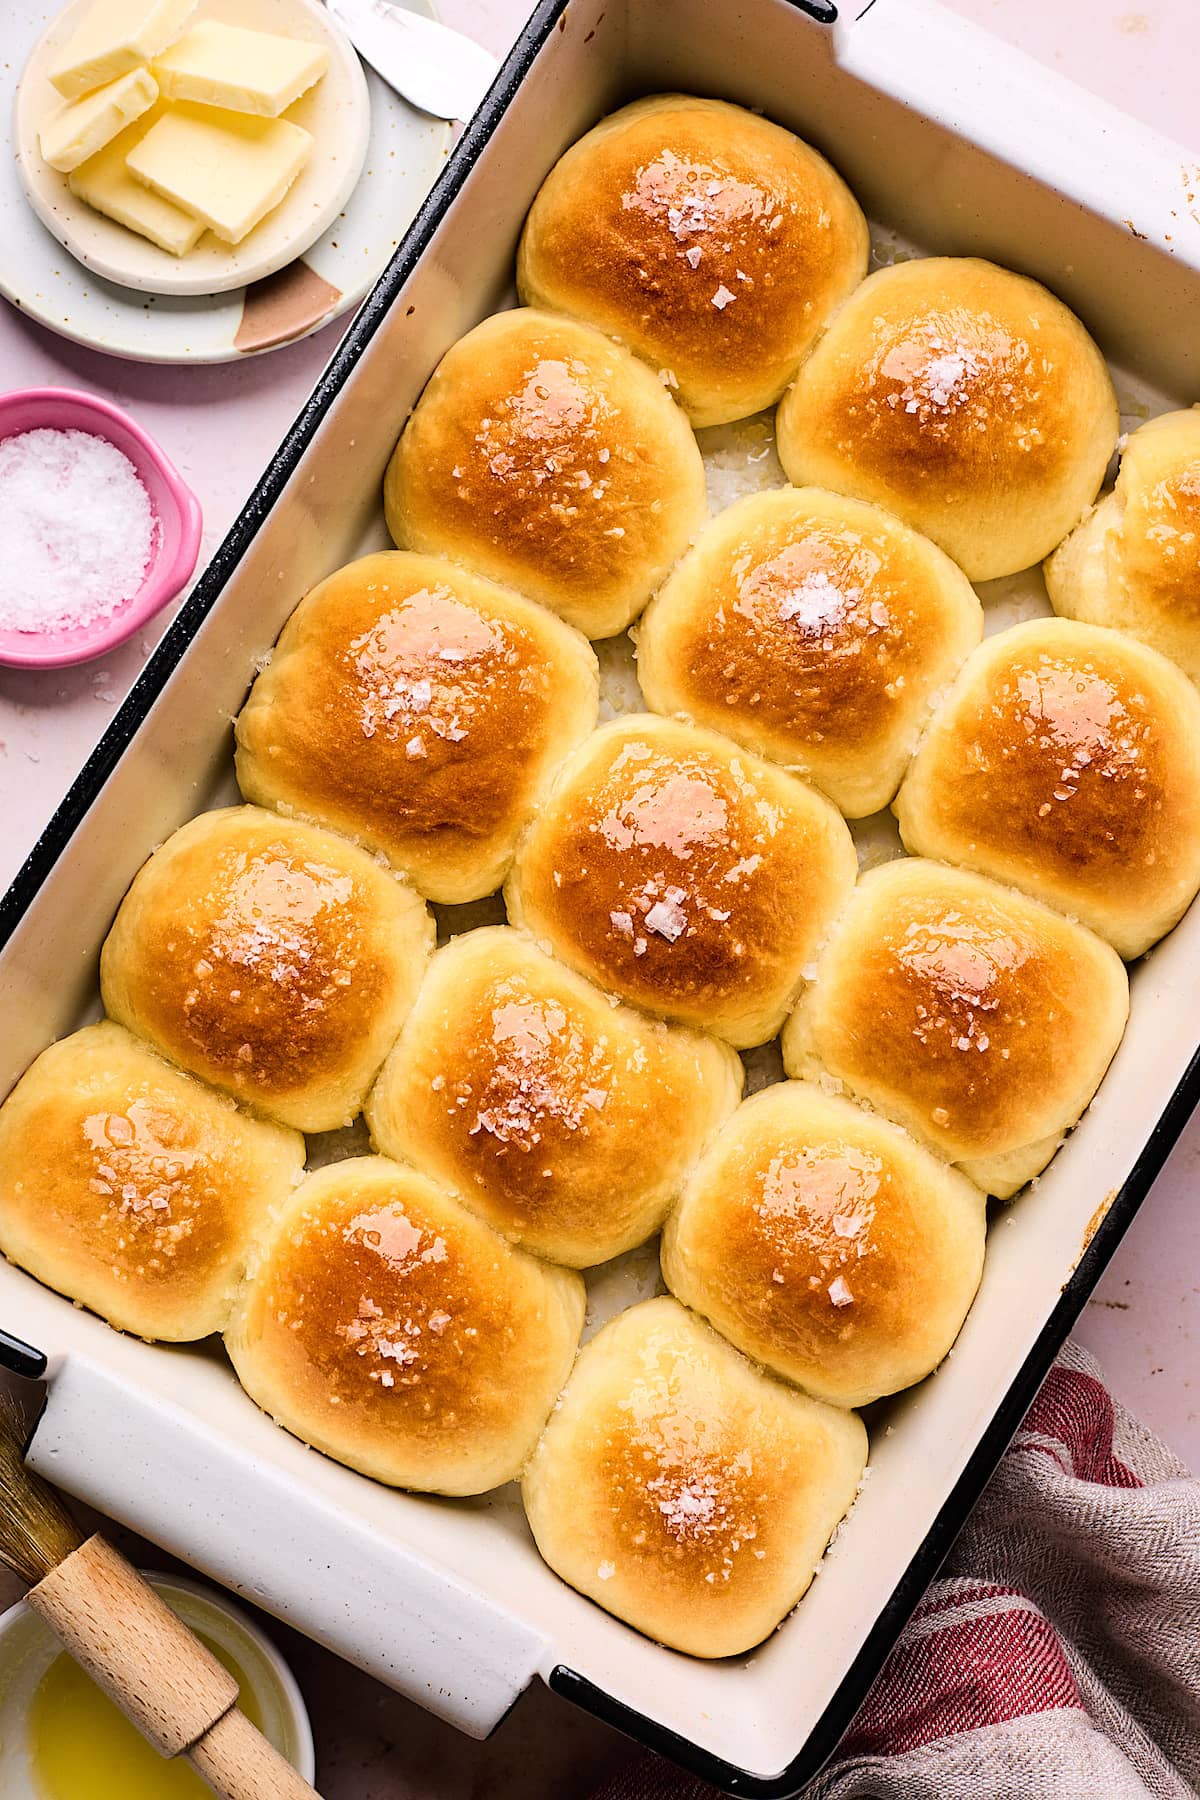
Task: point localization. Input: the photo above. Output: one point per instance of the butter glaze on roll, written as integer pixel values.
(684, 874)
(1066, 760)
(133, 1188)
(814, 630)
(825, 1243)
(976, 1018)
(421, 710)
(566, 1122)
(1134, 563)
(683, 1490)
(388, 1327)
(272, 959)
(548, 458)
(966, 399)
(711, 242)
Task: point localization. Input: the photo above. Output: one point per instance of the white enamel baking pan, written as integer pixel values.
(960, 145)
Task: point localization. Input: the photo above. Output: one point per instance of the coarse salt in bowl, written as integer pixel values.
(175, 538)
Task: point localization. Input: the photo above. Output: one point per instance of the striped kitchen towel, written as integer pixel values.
(1058, 1655)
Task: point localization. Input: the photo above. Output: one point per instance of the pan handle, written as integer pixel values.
(285, 1545)
(961, 76)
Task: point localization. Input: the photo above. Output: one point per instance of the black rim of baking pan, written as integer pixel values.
(24, 1359)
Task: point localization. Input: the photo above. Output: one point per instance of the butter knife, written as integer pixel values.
(437, 70)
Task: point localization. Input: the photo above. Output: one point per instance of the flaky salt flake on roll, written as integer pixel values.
(422, 711)
(133, 1188)
(272, 959)
(978, 1019)
(388, 1327)
(710, 241)
(546, 457)
(565, 1121)
(814, 630)
(1134, 563)
(966, 399)
(1066, 760)
(827, 1244)
(684, 874)
(685, 1491)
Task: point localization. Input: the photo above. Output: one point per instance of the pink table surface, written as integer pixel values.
(220, 426)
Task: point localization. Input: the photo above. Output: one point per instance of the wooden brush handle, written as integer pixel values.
(239, 1764)
(162, 1677)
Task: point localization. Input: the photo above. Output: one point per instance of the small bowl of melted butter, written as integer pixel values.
(62, 1739)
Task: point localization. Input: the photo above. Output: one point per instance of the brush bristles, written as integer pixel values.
(36, 1530)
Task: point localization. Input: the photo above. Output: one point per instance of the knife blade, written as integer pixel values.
(437, 70)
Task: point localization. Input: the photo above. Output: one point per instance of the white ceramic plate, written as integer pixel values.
(404, 153)
(336, 111)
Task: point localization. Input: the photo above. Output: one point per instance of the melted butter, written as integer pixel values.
(551, 438)
(693, 199)
(1064, 707)
(82, 1748)
(137, 1161)
(957, 372)
(817, 588)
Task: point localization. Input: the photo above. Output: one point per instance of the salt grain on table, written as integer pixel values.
(79, 530)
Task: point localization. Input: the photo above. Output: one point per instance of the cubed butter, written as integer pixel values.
(115, 36)
(82, 127)
(245, 71)
(226, 168)
(105, 183)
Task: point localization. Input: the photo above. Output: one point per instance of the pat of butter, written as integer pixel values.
(82, 127)
(245, 71)
(227, 168)
(115, 36)
(105, 183)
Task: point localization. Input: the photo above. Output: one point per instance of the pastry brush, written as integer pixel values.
(165, 1681)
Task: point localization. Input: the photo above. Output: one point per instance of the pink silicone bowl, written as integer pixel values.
(175, 507)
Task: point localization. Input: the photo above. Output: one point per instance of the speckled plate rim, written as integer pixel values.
(406, 152)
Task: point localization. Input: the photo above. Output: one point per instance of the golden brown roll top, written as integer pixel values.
(684, 874)
(272, 959)
(421, 710)
(543, 455)
(966, 399)
(713, 243)
(388, 1327)
(134, 1189)
(978, 1019)
(1134, 563)
(1066, 760)
(566, 1122)
(683, 1490)
(814, 630)
(826, 1244)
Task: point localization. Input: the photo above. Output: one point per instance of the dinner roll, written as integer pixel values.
(566, 1122)
(713, 243)
(685, 1491)
(1134, 563)
(965, 398)
(390, 1328)
(1066, 760)
(272, 959)
(814, 630)
(976, 1018)
(420, 710)
(545, 456)
(826, 1244)
(684, 874)
(132, 1188)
